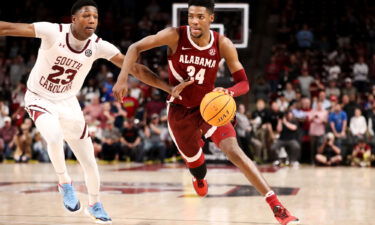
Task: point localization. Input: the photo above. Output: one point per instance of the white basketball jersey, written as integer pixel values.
(60, 70)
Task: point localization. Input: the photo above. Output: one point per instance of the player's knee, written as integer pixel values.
(54, 138)
(89, 165)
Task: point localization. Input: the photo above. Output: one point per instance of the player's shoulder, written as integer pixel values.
(170, 31)
(96, 39)
(101, 43)
(168, 35)
(51, 27)
(64, 27)
(225, 41)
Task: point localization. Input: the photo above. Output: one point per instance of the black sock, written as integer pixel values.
(199, 172)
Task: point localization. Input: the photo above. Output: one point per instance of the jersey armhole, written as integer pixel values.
(218, 44)
(179, 29)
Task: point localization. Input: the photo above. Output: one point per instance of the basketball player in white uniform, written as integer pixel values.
(64, 59)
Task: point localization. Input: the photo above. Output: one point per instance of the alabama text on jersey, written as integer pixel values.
(191, 61)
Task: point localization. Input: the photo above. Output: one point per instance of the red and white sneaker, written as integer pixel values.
(200, 186)
(283, 216)
(281, 213)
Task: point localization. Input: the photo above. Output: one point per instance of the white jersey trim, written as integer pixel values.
(210, 132)
(195, 45)
(188, 159)
(174, 72)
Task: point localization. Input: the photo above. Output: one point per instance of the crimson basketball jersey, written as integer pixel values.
(193, 61)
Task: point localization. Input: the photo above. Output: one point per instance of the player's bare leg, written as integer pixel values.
(235, 154)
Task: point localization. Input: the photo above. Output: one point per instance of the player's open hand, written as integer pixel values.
(226, 91)
(179, 88)
(120, 89)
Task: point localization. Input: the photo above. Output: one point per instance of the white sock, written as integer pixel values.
(64, 178)
(49, 127)
(93, 199)
(270, 193)
(83, 149)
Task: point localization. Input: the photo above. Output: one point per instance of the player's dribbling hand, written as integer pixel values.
(120, 90)
(179, 88)
(226, 91)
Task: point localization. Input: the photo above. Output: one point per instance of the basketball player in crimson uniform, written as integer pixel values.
(65, 57)
(194, 54)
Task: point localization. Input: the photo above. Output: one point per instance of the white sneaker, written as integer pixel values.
(295, 164)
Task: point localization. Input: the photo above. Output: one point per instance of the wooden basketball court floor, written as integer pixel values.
(138, 194)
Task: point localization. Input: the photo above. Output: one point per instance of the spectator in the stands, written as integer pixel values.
(322, 98)
(94, 109)
(318, 118)
(329, 154)
(348, 88)
(332, 89)
(16, 70)
(361, 155)
(360, 74)
(134, 90)
(111, 142)
(273, 70)
(155, 105)
(292, 68)
(90, 91)
(22, 142)
(243, 130)
(154, 145)
(338, 121)
(357, 126)
(282, 102)
(261, 89)
(288, 129)
(7, 134)
(349, 107)
(40, 148)
(4, 111)
(107, 88)
(289, 92)
(305, 80)
(130, 105)
(131, 141)
(305, 37)
(334, 70)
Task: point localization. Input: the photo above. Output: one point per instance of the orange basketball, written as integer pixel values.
(217, 108)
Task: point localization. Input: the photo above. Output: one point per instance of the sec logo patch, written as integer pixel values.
(88, 52)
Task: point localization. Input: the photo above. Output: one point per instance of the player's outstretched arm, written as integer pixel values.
(229, 53)
(145, 75)
(17, 29)
(168, 36)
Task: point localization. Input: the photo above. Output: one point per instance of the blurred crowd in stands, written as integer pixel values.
(315, 101)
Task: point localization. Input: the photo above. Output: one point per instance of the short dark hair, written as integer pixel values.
(80, 3)
(209, 4)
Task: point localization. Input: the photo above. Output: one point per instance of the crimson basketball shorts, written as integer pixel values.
(186, 127)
